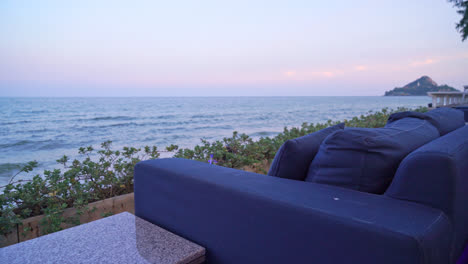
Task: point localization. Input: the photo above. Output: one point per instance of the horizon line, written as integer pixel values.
(206, 96)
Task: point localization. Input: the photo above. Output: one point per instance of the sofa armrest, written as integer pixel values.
(436, 175)
(243, 217)
(426, 178)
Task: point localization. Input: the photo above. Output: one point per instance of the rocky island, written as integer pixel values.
(419, 87)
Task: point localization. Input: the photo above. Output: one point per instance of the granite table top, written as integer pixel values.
(122, 238)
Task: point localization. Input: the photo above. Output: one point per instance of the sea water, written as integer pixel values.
(45, 129)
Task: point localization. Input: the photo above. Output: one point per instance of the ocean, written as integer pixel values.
(45, 129)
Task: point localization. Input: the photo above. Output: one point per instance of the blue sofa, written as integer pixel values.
(465, 110)
(244, 217)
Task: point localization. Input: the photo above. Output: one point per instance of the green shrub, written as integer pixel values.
(240, 150)
(76, 185)
(88, 180)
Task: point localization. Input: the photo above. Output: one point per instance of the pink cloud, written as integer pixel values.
(290, 73)
(360, 68)
(422, 63)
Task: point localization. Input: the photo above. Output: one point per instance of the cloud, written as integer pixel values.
(422, 63)
(309, 74)
(327, 74)
(290, 73)
(360, 68)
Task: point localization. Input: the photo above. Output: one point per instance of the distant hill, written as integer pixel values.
(420, 87)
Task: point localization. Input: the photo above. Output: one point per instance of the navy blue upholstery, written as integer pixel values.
(464, 109)
(448, 119)
(400, 115)
(243, 217)
(436, 175)
(294, 157)
(366, 159)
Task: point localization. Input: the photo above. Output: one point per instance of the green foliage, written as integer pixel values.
(106, 173)
(99, 175)
(462, 26)
(240, 150)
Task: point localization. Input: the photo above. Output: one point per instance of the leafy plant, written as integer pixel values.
(109, 174)
(462, 26)
(240, 150)
(106, 173)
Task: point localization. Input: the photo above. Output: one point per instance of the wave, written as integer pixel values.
(166, 130)
(15, 123)
(220, 115)
(54, 144)
(7, 169)
(147, 124)
(41, 130)
(212, 127)
(179, 136)
(104, 118)
(168, 123)
(125, 118)
(204, 116)
(30, 145)
(87, 128)
(187, 129)
(264, 134)
(164, 117)
(31, 112)
(15, 144)
(112, 118)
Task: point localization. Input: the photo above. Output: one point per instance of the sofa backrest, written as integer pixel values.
(366, 159)
(447, 119)
(436, 175)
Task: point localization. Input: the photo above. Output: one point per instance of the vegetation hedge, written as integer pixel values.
(105, 173)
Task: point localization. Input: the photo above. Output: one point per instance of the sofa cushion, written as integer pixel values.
(464, 109)
(448, 119)
(400, 115)
(294, 157)
(366, 159)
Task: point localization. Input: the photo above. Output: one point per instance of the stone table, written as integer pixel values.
(122, 238)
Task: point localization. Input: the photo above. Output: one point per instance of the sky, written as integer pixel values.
(226, 48)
